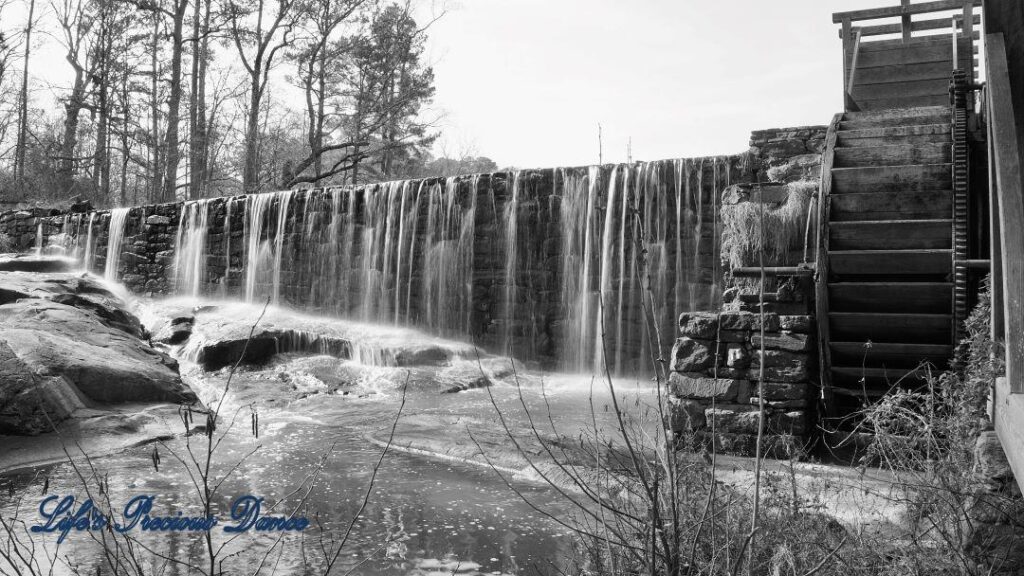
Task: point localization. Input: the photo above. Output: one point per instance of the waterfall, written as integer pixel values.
(190, 247)
(511, 218)
(115, 237)
(577, 268)
(89, 247)
(39, 238)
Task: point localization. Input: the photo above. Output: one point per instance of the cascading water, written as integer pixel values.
(115, 238)
(566, 266)
(39, 238)
(190, 247)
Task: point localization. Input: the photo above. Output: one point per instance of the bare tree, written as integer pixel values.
(22, 145)
(320, 62)
(258, 32)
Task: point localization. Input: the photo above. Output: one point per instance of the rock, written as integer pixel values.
(79, 205)
(29, 263)
(800, 324)
(701, 325)
(990, 460)
(737, 356)
(56, 358)
(174, 331)
(698, 386)
(478, 382)
(158, 220)
(782, 341)
(793, 422)
(780, 391)
(736, 419)
(733, 336)
(686, 415)
(780, 404)
(781, 366)
(748, 321)
(691, 355)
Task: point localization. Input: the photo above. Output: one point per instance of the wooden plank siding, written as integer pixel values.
(912, 70)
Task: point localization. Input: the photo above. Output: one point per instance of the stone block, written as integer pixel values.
(990, 460)
(780, 391)
(735, 418)
(793, 422)
(703, 325)
(782, 341)
(733, 336)
(781, 404)
(700, 387)
(793, 364)
(801, 324)
(686, 415)
(692, 355)
(156, 220)
(748, 321)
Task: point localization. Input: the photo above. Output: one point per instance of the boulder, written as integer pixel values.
(781, 391)
(32, 263)
(478, 382)
(56, 358)
(990, 461)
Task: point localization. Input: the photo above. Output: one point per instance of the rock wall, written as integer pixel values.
(716, 382)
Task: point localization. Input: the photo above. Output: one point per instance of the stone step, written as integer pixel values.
(891, 234)
(896, 263)
(889, 354)
(890, 327)
(894, 154)
(882, 136)
(913, 177)
(906, 205)
(893, 297)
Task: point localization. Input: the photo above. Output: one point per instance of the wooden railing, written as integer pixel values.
(858, 36)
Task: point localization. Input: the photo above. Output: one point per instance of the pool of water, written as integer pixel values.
(316, 415)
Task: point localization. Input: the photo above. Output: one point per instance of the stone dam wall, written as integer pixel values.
(535, 262)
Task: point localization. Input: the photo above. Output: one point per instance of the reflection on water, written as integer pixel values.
(422, 517)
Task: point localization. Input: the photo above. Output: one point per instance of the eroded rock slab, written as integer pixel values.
(67, 344)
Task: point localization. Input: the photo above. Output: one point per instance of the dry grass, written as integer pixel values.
(784, 228)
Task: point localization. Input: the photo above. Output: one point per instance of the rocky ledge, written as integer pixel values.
(70, 348)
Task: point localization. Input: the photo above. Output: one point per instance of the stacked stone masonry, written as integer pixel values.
(722, 368)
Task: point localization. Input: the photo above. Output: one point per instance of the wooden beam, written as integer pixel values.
(906, 23)
(1008, 418)
(899, 11)
(919, 26)
(821, 309)
(1010, 198)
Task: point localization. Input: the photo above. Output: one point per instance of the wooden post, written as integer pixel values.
(847, 34)
(906, 23)
(1010, 198)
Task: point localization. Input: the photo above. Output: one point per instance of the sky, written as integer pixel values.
(526, 82)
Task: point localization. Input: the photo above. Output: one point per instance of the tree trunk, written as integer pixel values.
(22, 144)
(68, 164)
(154, 104)
(197, 110)
(250, 174)
(174, 103)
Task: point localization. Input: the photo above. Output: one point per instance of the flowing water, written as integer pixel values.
(564, 269)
